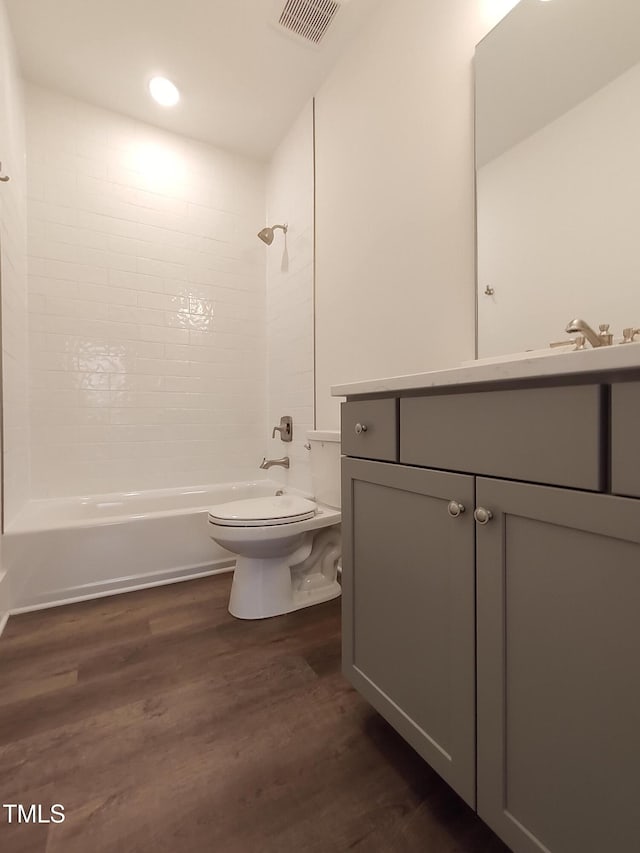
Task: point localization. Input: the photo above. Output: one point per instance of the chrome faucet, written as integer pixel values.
(604, 339)
(269, 463)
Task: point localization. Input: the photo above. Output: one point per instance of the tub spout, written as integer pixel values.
(269, 463)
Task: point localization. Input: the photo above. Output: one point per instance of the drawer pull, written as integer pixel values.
(455, 509)
(360, 428)
(482, 515)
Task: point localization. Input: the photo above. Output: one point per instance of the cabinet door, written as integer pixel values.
(558, 589)
(408, 608)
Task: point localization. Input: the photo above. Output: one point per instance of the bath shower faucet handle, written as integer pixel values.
(285, 429)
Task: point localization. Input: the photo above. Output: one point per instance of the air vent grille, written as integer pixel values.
(308, 19)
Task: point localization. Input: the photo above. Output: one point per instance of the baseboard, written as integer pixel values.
(117, 587)
(3, 622)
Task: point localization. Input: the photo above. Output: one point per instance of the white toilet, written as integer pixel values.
(288, 547)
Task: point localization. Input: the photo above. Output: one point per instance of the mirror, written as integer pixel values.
(558, 172)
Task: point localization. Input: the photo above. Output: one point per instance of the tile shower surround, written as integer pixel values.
(146, 304)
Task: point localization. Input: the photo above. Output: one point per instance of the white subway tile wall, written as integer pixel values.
(290, 297)
(13, 275)
(146, 305)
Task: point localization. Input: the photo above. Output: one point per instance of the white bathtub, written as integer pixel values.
(68, 549)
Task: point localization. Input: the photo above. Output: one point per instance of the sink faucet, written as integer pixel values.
(604, 339)
(269, 463)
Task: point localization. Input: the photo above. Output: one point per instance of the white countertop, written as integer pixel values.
(518, 366)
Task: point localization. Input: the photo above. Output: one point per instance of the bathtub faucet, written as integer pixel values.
(269, 463)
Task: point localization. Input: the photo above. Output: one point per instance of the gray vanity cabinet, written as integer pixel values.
(558, 596)
(409, 604)
(503, 641)
(625, 439)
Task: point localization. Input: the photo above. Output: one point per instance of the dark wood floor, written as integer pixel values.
(163, 724)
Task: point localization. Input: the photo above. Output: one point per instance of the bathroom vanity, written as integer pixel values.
(491, 586)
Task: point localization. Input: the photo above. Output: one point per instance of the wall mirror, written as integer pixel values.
(558, 172)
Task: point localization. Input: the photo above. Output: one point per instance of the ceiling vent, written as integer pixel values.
(308, 20)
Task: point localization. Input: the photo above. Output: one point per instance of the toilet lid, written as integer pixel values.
(262, 512)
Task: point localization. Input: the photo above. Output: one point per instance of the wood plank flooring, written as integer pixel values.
(163, 724)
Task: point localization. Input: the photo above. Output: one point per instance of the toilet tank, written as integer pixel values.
(325, 466)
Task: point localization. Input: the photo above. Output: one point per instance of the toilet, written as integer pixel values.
(288, 547)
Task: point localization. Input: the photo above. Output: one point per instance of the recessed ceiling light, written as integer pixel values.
(164, 92)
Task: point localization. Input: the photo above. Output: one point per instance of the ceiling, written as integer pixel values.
(242, 80)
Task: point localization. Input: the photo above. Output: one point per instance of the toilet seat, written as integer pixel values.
(262, 512)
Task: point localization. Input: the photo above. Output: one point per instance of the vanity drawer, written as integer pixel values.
(370, 429)
(540, 435)
(625, 439)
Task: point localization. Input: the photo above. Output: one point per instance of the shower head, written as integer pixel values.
(266, 235)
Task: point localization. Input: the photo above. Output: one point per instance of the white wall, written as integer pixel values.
(557, 225)
(13, 278)
(147, 304)
(290, 298)
(395, 196)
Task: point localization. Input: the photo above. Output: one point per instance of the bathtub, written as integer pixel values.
(68, 549)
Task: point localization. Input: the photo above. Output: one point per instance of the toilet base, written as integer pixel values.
(263, 587)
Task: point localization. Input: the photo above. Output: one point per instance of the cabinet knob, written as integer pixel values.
(360, 428)
(455, 509)
(482, 515)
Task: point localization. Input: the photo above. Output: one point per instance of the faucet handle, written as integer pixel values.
(285, 429)
(605, 335)
(629, 335)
